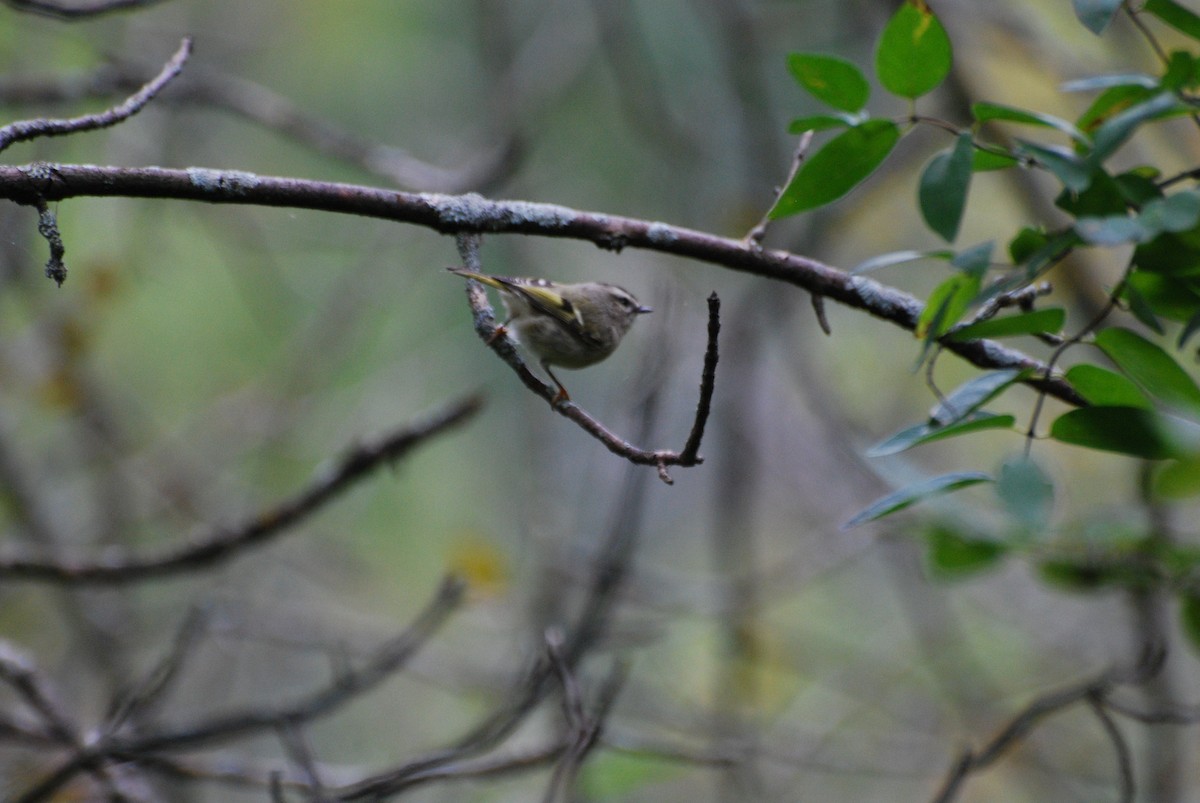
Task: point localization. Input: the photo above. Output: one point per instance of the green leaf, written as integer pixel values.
(947, 304)
(830, 79)
(943, 190)
(914, 53)
(1025, 323)
(1106, 388)
(1026, 492)
(1027, 241)
(1175, 15)
(1103, 197)
(973, 394)
(930, 431)
(818, 122)
(1113, 101)
(976, 259)
(840, 165)
(984, 112)
(1173, 298)
(1179, 479)
(1096, 14)
(1113, 230)
(1174, 213)
(1189, 618)
(1126, 430)
(1140, 306)
(1169, 253)
(953, 555)
(1151, 367)
(1189, 329)
(898, 258)
(1138, 186)
(915, 493)
(1180, 74)
(1073, 172)
(1113, 132)
(985, 159)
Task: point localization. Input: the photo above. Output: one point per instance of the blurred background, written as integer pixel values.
(203, 362)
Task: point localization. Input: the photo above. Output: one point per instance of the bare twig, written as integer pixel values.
(80, 10)
(151, 688)
(496, 339)
(224, 543)
(454, 214)
(32, 129)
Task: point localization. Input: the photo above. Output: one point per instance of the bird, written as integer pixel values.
(565, 325)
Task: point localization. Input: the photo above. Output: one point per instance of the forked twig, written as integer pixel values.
(498, 341)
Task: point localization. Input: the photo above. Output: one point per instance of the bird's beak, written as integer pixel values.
(642, 310)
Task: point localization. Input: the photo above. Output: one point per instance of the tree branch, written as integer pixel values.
(452, 214)
(225, 542)
(53, 127)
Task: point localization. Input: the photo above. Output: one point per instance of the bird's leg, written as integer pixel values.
(499, 332)
(562, 395)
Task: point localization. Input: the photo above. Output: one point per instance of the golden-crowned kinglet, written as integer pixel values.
(569, 325)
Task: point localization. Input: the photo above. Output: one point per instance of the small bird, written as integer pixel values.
(568, 325)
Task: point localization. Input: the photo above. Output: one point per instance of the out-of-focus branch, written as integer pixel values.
(53, 127)
(454, 214)
(1093, 691)
(77, 11)
(226, 542)
(227, 726)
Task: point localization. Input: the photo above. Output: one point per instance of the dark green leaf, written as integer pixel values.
(830, 79)
(1139, 305)
(973, 394)
(915, 493)
(1027, 241)
(1103, 197)
(953, 554)
(1105, 388)
(818, 122)
(1025, 323)
(914, 53)
(1113, 132)
(838, 167)
(1189, 618)
(1181, 71)
(1175, 15)
(1095, 574)
(976, 259)
(985, 159)
(1115, 100)
(929, 432)
(1138, 187)
(1096, 14)
(1073, 172)
(983, 112)
(1151, 367)
(1026, 492)
(1127, 430)
(1169, 253)
(1177, 299)
(943, 190)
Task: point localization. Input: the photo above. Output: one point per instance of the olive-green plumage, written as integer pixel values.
(568, 325)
